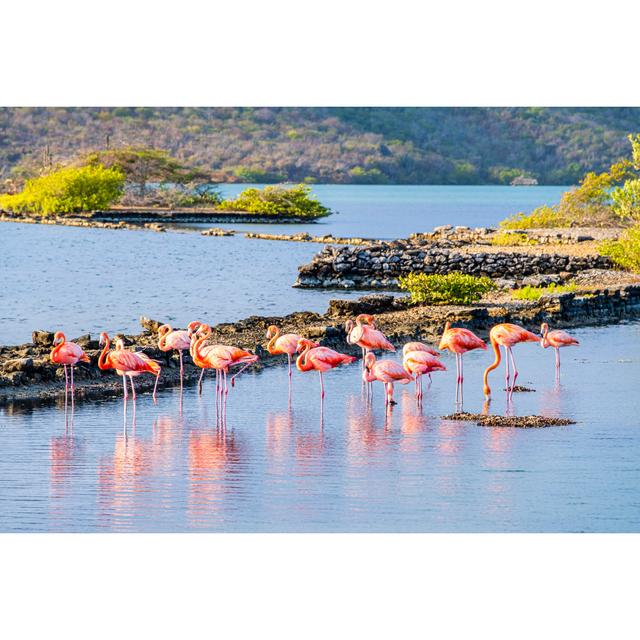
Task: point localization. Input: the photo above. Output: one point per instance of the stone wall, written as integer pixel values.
(378, 266)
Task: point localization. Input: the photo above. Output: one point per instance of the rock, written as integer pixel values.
(42, 338)
(20, 364)
(149, 324)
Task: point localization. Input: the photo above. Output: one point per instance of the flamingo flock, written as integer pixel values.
(228, 362)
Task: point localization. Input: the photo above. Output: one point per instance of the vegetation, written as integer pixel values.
(451, 288)
(605, 199)
(535, 293)
(624, 252)
(349, 145)
(512, 239)
(67, 190)
(143, 165)
(278, 201)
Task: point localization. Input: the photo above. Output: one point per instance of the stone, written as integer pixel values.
(20, 364)
(42, 338)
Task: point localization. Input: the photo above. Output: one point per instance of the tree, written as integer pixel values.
(144, 165)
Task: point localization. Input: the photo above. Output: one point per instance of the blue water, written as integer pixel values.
(89, 280)
(275, 468)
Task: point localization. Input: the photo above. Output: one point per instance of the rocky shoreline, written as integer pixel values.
(27, 376)
(378, 266)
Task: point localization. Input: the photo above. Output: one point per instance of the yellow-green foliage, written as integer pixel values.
(535, 293)
(511, 239)
(625, 252)
(67, 190)
(451, 288)
(278, 201)
(543, 217)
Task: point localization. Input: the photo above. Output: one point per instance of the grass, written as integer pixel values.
(451, 288)
(535, 293)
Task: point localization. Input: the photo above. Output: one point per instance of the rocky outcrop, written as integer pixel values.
(379, 266)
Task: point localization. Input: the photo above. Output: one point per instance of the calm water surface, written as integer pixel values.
(281, 468)
(88, 280)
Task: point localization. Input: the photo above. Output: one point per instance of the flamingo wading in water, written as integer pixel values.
(386, 371)
(170, 340)
(320, 359)
(366, 336)
(506, 335)
(127, 363)
(556, 339)
(67, 354)
(280, 344)
(417, 362)
(459, 341)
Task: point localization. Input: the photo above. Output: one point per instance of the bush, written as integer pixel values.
(452, 288)
(278, 201)
(624, 252)
(535, 293)
(68, 190)
(543, 217)
(626, 201)
(510, 239)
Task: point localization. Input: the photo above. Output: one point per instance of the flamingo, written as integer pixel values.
(366, 336)
(127, 363)
(319, 358)
(556, 339)
(419, 346)
(418, 362)
(219, 357)
(170, 340)
(67, 353)
(287, 343)
(506, 335)
(459, 341)
(387, 372)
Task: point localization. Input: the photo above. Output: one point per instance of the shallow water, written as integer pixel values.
(89, 280)
(278, 469)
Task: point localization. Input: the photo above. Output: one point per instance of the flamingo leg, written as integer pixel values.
(155, 386)
(66, 380)
(457, 380)
(290, 371)
(321, 386)
(461, 381)
(235, 375)
(557, 362)
(133, 389)
(200, 382)
(515, 371)
(506, 363)
(420, 385)
(73, 388)
(124, 384)
(181, 368)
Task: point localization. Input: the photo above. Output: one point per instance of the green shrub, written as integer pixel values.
(624, 252)
(510, 239)
(452, 288)
(543, 217)
(278, 201)
(255, 174)
(68, 190)
(626, 201)
(535, 293)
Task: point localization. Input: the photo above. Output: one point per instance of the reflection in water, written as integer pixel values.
(214, 458)
(279, 429)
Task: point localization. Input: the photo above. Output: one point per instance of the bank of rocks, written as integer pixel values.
(379, 266)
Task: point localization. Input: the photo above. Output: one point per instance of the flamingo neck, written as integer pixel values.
(271, 347)
(56, 349)
(162, 343)
(195, 351)
(301, 360)
(492, 366)
(102, 360)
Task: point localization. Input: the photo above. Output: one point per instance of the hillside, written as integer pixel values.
(344, 145)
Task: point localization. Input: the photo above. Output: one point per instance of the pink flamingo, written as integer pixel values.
(386, 371)
(556, 339)
(418, 363)
(320, 359)
(67, 353)
(459, 341)
(420, 346)
(366, 336)
(219, 357)
(127, 363)
(506, 335)
(280, 344)
(170, 340)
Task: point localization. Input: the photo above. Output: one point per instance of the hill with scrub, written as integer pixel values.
(376, 145)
